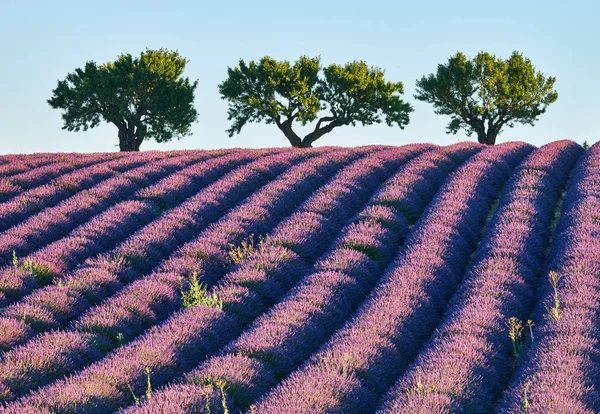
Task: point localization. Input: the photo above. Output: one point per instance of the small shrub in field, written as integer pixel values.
(247, 248)
(197, 295)
(515, 333)
(554, 310)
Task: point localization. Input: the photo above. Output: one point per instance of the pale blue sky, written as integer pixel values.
(44, 40)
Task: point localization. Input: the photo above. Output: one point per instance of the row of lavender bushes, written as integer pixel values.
(27, 203)
(43, 310)
(363, 359)
(57, 304)
(196, 331)
(40, 230)
(466, 365)
(53, 223)
(560, 371)
(23, 173)
(281, 339)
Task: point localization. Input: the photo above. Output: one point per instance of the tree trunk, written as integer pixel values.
(303, 144)
(127, 142)
(489, 138)
(307, 141)
(129, 138)
(319, 132)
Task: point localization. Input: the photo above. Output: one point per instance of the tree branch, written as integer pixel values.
(286, 128)
(318, 133)
(324, 119)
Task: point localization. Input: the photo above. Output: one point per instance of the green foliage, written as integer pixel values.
(41, 272)
(120, 339)
(143, 97)
(486, 93)
(136, 399)
(283, 93)
(585, 145)
(197, 295)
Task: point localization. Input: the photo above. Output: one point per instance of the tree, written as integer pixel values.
(282, 93)
(485, 94)
(143, 97)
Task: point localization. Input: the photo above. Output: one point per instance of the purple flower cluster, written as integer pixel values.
(21, 173)
(373, 279)
(132, 310)
(43, 174)
(363, 358)
(15, 281)
(18, 163)
(29, 202)
(467, 363)
(189, 335)
(560, 371)
(53, 306)
(54, 223)
(281, 339)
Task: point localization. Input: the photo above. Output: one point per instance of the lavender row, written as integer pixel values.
(207, 255)
(280, 340)
(17, 322)
(560, 371)
(33, 201)
(54, 223)
(60, 257)
(258, 171)
(128, 310)
(43, 174)
(467, 363)
(363, 359)
(244, 294)
(104, 272)
(18, 166)
(91, 284)
(104, 179)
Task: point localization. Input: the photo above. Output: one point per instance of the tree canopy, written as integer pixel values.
(144, 97)
(281, 93)
(486, 93)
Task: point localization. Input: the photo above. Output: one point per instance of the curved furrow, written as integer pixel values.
(32, 365)
(30, 202)
(55, 305)
(282, 338)
(467, 363)
(189, 335)
(364, 358)
(128, 313)
(560, 371)
(99, 234)
(43, 174)
(53, 223)
(18, 164)
(23, 276)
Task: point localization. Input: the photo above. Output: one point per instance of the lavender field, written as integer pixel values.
(411, 279)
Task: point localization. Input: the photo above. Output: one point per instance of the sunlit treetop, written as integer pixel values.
(484, 94)
(281, 93)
